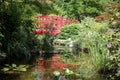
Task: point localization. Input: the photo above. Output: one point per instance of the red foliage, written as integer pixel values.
(113, 6)
(51, 24)
(117, 21)
(103, 17)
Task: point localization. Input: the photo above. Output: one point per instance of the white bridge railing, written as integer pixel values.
(64, 42)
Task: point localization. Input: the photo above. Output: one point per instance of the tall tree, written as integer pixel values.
(79, 8)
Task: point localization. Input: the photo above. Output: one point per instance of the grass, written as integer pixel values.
(86, 68)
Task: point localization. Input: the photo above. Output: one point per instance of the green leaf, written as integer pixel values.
(22, 69)
(67, 71)
(71, 72)
(7, 65)
(117, 14)
(119, 64)
(14, 65)
(14, 69)
(56, 73)
(22, 66)
(5, 69)
(118, 73)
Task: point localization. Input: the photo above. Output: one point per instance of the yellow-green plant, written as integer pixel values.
(91, 40)
(14, 67)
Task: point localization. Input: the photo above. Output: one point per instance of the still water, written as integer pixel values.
(43, 70)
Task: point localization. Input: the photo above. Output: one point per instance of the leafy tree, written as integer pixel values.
(79, 8)
(17, 28)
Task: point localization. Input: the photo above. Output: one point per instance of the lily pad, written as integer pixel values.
(56, 73)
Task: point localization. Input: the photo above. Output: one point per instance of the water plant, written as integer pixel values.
(67, 74)
(14, 67)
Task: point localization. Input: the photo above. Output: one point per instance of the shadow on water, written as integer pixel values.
(43, 70)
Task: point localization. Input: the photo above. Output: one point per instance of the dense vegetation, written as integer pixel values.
(96, 37)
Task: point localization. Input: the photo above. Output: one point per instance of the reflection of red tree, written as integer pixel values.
(55, 64)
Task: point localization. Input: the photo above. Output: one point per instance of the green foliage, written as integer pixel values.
(91, 44)
(91, 40)
(79, 8)
(113, 64)
(68, 34)
(9, 21)
(42, 6)
(47, 44)
(90, 23)
(14, 67)
(113, 36)
(68, 71)
(22, 45)
(56, 73)
(18, 41)
(69, 31)
(17, 28)
(67, 74)
(1, 36)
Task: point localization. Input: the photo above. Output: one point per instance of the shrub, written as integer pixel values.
(79, 8)
(16, 27)
(112, 67)
(91, 38)
(69, 31)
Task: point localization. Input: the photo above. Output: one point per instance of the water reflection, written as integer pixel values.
(44, 70)
(48, 66)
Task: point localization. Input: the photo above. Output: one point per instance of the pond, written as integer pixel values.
(44, 69)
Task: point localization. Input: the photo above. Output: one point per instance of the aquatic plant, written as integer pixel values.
(14, 67)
